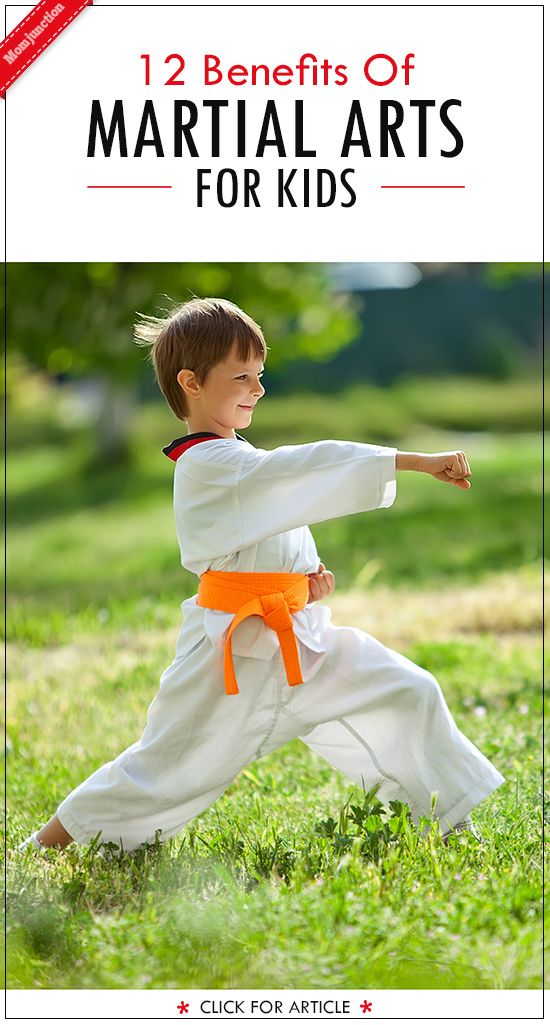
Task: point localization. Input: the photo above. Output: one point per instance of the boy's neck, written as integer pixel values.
(222, 432)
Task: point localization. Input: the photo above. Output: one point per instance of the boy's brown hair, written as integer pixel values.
(196, 336)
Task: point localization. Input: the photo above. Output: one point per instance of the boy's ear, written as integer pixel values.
(186, 380)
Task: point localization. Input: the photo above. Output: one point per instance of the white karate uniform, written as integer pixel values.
(367, 710)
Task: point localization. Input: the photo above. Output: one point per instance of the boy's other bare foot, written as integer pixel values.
(53, 834)
(464, 826)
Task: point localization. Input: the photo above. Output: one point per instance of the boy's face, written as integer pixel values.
(227, 398)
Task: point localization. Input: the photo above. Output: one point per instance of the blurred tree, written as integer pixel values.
(75, 320)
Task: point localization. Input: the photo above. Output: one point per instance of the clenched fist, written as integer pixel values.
(451, 467)
(321, 583)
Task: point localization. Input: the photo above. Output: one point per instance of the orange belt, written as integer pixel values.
(273, 596)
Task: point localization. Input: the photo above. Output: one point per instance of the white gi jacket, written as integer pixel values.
(268, 498)
(366, 709)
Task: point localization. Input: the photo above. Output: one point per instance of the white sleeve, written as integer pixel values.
(296, 485)
(227, 499)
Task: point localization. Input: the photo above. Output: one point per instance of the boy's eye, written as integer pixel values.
(244, 376)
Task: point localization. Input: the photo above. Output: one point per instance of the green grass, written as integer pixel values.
(280, 884)
(275, 887)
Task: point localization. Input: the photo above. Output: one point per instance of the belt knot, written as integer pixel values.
(276, 611)
(253, 594)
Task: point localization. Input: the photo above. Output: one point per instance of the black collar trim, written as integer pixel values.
(177, 447)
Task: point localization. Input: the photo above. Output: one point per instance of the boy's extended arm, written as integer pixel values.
(227, 499)
(451, 467)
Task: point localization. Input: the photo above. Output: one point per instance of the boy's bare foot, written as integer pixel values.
(52, 834)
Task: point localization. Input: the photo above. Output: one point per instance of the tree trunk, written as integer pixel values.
(116, 402)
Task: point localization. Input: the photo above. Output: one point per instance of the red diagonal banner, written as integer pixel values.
(31, 37)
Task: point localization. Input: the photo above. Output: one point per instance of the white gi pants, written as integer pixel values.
(367, 710)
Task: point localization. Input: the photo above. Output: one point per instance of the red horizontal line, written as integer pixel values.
(422, 186)
(128, 186)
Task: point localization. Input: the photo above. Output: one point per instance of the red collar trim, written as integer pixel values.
(176, 448)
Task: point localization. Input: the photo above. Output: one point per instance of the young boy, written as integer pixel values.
(257, 662)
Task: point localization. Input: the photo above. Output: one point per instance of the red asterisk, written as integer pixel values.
(366, 1006)
(183, 1007)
